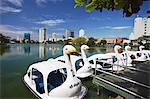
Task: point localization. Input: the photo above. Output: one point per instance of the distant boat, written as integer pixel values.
(126, 55)
(46, 80)
(109, 61)
(139, 56)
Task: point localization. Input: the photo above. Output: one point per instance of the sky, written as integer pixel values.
(20, 16)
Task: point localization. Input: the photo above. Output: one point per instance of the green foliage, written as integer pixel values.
(59, 42)
(103, 42)
(4, 39)
(79, 41)
(79, 3)
(67, 41)
(4, 48)
(128, 7)
(91, 41)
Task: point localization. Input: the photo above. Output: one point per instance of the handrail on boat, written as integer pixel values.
(124, 66)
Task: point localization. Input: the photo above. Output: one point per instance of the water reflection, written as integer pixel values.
(27, 49)
(54, 49)
(4, 49)
(42, 51)
(20, 49)
(99, 50)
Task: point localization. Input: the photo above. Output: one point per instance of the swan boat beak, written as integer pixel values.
(74, 52)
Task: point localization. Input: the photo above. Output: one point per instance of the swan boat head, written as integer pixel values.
(69, 49)
(86, 69)
(141, 47)
(127, 48)
(127, 55)
(84, 47)
(117, 49)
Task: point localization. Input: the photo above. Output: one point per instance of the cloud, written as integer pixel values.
(13, 31)
(9, 9)
(17, 3)
(40, 2)
(105, 27)
(115, 27)
(5, 6)
(51, 22)
(121, 27)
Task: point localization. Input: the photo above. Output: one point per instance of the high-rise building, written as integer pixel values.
(42, 35)
(20, 39)
(81, 33)
(54, 38)
(141, 28)
(27, 37)
(69, 34)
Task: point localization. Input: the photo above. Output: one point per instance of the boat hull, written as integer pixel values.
(81, 95)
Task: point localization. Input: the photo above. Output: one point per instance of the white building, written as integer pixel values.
(20, 39)
(42, 35)
(82, 33)
(141, 28)
(54, 38)
(69, 34)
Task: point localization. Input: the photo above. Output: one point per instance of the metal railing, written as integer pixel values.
(120, 77)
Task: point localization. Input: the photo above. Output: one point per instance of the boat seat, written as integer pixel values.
(139, 54)
(65, 70)
(77, 64)
(132, 57)
(55, 79)
(50, 87)
(114, 59)
(91, 62)
(39, 85)
(104, 65)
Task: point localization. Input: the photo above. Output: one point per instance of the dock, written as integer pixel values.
(131, 83)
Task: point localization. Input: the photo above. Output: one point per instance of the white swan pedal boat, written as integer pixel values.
(109, 61)
(139, 56)
(46, 81)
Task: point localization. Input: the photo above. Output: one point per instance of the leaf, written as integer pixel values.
(119, 4)
(91, 6)
(78, 1)
(76, 6)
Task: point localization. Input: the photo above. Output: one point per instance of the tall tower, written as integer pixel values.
(54, 39)
(141, 28)
(69, 34)
(81, 33)
(27, 37)
(42, 35)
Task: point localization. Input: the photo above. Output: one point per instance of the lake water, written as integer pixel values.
(15, 59)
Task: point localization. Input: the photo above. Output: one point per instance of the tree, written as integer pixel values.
(79, 41)
(4, 39)
(128, 7)
(103, 42)
(91, 41)
(59, 42)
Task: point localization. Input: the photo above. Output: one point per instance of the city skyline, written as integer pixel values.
(20, 16)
